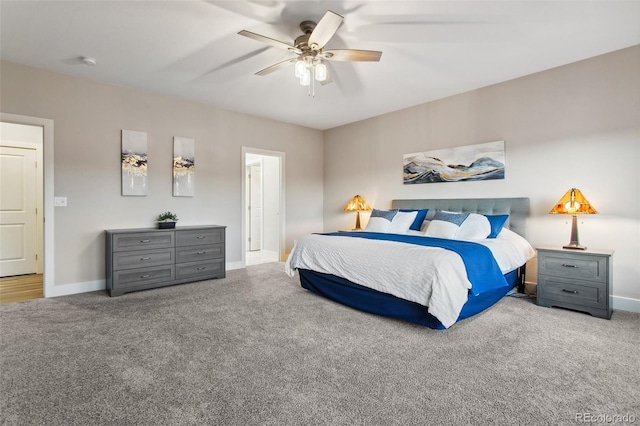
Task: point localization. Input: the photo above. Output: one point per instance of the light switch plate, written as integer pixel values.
(60, 201)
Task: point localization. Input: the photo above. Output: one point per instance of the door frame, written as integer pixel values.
(48, 194)
(281, 213)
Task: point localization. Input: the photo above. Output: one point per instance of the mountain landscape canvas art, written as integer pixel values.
(483, 161)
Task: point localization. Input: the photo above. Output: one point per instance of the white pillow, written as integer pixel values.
(519, 241)
(401, 222)
(474, 227)
(445, 224)
(380, 220)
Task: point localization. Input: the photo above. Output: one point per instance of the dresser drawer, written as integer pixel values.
(583, 267)
(142, 259)
(142, 276)
(199, 253)
(199, 237)
(586, 294)
(143, 241)
(192, 270)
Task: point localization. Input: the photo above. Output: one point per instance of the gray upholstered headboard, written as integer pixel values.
(516, 208)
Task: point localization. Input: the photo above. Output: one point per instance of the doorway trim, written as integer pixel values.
(48, 194)
(281, 212)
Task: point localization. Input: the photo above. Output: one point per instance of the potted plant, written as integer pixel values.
(167, 220)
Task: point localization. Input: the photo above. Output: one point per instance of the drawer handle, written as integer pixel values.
(145, 258)
(201, 268)
(201, 237)
(201, 252)
(566, 265)
(145, 276)
(145, 241)
(569, 291)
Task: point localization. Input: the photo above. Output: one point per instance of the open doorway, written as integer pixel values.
(21, 212)
(263, 222)
(42, 145)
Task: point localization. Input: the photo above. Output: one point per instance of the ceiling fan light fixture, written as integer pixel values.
(320, 71)
(301, 66)
(305, 78)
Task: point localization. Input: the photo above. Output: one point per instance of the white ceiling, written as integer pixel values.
(431, 49)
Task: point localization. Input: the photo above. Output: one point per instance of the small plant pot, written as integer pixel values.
(166, 225)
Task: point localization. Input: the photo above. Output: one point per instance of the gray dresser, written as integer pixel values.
(139, 259)
(575, 279)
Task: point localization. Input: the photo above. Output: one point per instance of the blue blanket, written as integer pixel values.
(483, 271)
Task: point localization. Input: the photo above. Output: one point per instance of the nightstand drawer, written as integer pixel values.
(586, 294)
(583, 267)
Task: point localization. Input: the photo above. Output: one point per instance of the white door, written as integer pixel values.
(255, 207)
(17, 211)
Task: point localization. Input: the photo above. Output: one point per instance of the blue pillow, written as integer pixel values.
(497, 223)
(417, 223)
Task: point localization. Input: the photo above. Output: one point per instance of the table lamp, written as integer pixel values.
(573, 203)
(357, 204)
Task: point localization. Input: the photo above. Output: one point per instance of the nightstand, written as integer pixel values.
(575, 279)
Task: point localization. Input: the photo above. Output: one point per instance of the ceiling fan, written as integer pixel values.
(309, 48)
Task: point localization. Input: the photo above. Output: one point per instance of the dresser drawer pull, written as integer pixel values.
(201, 252)
(145, 241)
(145, 276)
(201, 268)
(569, 291)
(201, 237)
(145, 258)
(566, 265)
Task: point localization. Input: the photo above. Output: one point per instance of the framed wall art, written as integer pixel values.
(134, 163)
(483, 161)
(183, 167)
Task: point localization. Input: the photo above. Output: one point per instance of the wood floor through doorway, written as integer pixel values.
(21, 288)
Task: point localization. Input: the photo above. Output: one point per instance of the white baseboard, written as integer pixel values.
(84, 287)
(626, 304)
(67, 289)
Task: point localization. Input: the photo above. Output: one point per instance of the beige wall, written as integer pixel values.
(576, 125)
(89, 117)
(573, 126)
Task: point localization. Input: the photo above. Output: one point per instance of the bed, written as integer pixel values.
(434, 282)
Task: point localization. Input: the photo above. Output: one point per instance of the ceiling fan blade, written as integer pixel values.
(324, 30)
(276, 67)
(352, 55)
(270, 41)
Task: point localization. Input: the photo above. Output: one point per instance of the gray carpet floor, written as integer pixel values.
(257, 349)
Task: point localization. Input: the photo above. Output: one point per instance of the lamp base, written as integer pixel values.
(574, 246)
(574, 243)
(357, 228)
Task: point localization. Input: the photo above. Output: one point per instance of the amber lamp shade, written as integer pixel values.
(573, 203)
(357, 204)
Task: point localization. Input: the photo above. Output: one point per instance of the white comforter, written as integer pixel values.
(431, 276)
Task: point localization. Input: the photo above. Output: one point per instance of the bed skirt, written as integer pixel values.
(372, 301)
